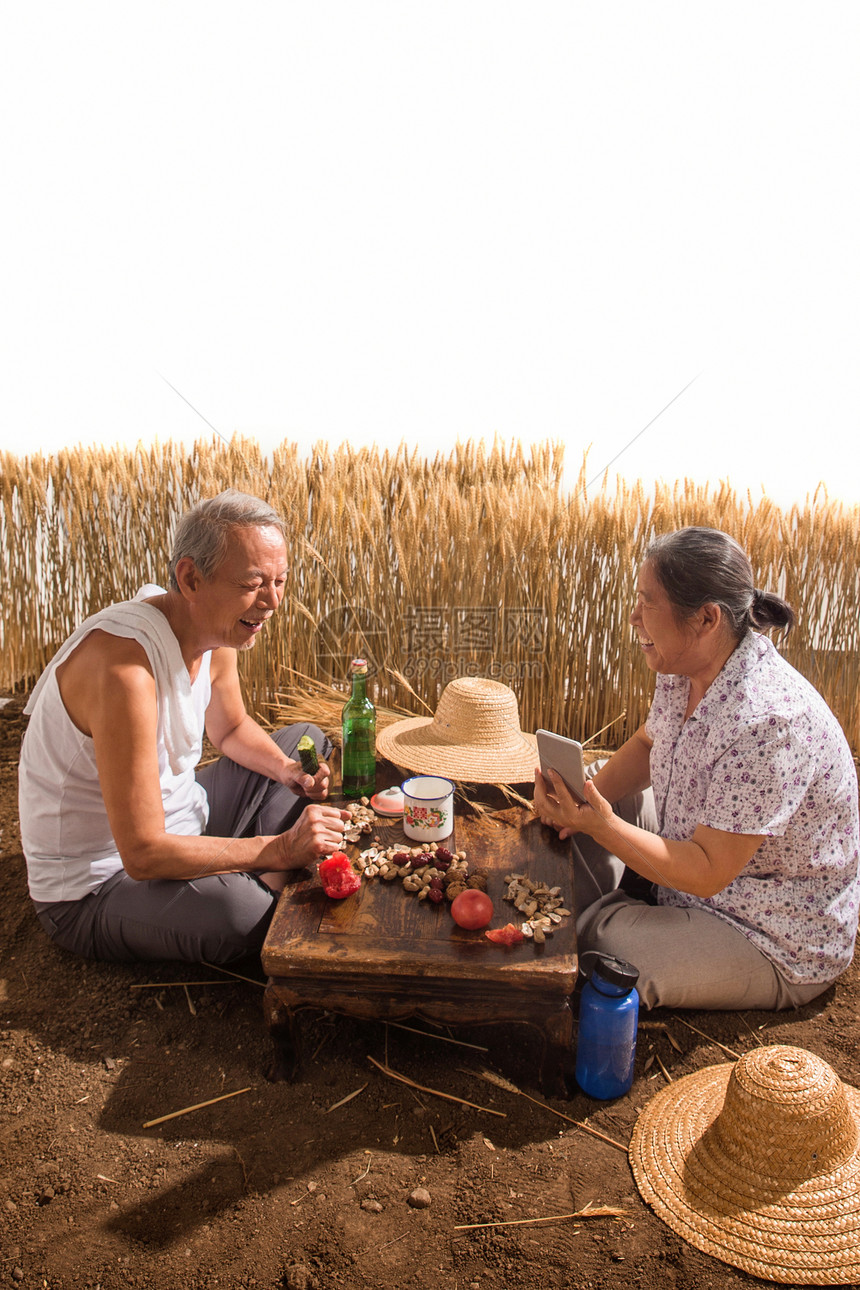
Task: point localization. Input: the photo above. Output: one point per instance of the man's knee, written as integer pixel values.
(237, 917)
(287, 738)
(217, 919)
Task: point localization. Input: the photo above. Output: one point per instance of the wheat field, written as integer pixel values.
(477, 562)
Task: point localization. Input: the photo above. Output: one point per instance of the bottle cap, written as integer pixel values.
(614, 971)
(358, 665)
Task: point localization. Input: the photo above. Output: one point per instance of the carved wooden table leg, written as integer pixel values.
(557, 1026)
(284, 1030)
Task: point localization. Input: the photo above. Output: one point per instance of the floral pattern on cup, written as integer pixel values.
(424, 817)
(428, 808)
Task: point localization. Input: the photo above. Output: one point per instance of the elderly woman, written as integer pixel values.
(753, 850)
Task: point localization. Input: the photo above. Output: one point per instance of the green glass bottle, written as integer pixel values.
(359, 737)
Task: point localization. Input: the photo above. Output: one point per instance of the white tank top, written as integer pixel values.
(65, 833)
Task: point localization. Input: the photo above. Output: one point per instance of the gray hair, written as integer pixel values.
(202, 532)
(696, 566)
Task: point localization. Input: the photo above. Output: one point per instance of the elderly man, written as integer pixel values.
(130, 853)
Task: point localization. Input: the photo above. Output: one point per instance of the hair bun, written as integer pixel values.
(768, 610)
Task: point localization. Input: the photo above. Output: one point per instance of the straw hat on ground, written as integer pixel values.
(475, 736)
(758, 1164)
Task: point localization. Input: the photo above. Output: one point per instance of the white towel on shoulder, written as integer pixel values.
(144, 623)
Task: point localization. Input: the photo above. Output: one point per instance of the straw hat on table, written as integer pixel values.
(474, 736)
(758, 1164)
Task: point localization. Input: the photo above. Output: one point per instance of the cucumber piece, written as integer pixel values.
(306, 749)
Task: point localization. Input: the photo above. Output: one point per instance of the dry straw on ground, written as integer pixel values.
(477, 562)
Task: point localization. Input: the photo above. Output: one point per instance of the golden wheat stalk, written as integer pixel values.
(477, 561)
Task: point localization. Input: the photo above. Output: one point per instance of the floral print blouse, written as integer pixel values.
(762, 753)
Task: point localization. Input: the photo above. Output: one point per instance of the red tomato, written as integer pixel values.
(472, 908)
(507, 935)
(338, 877)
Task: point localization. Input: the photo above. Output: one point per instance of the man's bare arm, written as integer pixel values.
(109, 692)
(239, 736)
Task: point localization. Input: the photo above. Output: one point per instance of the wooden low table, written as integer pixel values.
(382, 954)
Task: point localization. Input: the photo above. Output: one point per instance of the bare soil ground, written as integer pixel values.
(280, 1187)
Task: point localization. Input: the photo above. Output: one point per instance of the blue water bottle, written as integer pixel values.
(608, 1014)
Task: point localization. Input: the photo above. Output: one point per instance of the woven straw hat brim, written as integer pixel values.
(416, 745)
(806, 1234)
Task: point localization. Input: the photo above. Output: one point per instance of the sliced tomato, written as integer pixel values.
(507, 935)
(338, 877)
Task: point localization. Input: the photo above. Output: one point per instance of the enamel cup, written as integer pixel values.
(428, 808)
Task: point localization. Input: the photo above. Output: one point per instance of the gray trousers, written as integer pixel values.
(217, 919)
(687, 958)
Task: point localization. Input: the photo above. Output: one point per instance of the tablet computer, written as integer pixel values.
(564, 756)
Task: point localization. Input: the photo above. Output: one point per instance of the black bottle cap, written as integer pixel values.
(612, 970)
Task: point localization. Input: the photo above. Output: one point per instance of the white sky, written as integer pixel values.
(434, 220)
